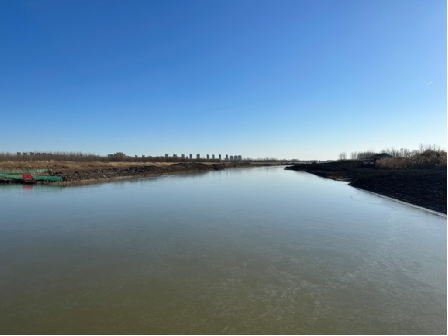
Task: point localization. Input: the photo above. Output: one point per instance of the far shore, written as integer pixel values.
(75, 173)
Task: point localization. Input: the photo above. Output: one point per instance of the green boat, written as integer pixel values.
(29, 175)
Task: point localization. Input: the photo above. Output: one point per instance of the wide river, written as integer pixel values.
(239, 251)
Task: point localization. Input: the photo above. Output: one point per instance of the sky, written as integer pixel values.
(287, 79)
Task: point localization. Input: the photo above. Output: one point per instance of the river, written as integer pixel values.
(254, 250)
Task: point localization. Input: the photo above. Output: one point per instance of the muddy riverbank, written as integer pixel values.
(423, 187)
(92, 172)
(86, 175)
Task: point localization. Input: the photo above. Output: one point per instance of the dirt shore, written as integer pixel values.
(93, 172)
(423, 187)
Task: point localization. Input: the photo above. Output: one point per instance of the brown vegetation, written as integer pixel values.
(429, 159)
(77, 165)
(396, 153)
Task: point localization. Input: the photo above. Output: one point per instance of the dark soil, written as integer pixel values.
(134, 171)
(423, 187)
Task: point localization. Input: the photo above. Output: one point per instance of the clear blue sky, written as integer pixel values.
(290, 79)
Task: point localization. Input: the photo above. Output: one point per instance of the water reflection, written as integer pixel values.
(29, 187)
(257, 250)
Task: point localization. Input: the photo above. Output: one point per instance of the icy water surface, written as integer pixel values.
(239, 251)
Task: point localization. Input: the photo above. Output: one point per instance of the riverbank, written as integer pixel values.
(93, 172)
(422, 187)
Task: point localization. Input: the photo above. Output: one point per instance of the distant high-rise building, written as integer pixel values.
(239, 157)
(220, 156)
(227, 157)
(174, 155)
(198, 156)
(208, 156)
(213, 156)
(231, 157)
(166, 155)
(191, 156)
(183, 156)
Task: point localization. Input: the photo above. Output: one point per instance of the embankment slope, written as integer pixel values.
(423, 187)
(92, 172)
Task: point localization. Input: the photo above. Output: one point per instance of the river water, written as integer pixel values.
(255, 250)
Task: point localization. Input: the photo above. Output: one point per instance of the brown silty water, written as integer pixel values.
(239, 251)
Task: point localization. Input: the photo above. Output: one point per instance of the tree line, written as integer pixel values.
(116, 157)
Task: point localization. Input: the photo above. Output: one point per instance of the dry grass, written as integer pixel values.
(76, 165)
(429, 159)
(79, 160)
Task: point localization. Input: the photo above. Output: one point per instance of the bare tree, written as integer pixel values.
(390, 151)
(363, 155)
(406, 152)
(343, 156)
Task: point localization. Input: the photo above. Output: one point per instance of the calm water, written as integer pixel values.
(258, 250)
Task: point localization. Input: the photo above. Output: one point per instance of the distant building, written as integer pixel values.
(220, 156)
(231, 157)
(183, 156)
(198, 156)
(208, 156)
(213, 156)
(191, 156)
(371, 160)
(166, 155)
